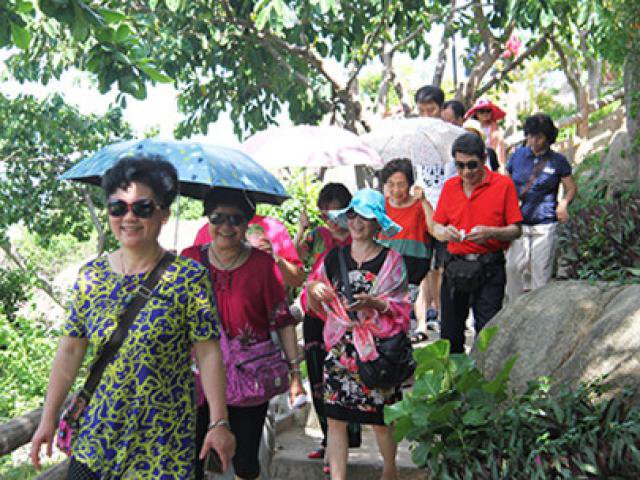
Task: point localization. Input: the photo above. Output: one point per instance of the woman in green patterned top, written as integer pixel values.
(140, 422)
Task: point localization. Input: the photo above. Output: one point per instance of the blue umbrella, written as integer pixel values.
(200, 167)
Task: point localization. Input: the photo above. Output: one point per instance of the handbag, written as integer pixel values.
(464, 275)
(395, 362)
(70, 419)
(255, 371)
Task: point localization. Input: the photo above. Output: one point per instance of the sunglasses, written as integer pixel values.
(233, 219)
(484, 110)
(470, 165)
(140, 208)
(352, 214)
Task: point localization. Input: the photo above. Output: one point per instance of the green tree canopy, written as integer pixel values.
(40, 139)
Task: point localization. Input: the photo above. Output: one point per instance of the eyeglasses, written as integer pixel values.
(470, 165)
(484, 110)
(140, 208)
(233, 219)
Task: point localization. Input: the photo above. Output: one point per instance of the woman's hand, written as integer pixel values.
(365, 301)
(321, 292)
(44, 434)
(222, 441)
(303, 221)
(295, 388)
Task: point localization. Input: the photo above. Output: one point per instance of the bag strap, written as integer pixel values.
(126, 320)
(535, 173)
(344, 274)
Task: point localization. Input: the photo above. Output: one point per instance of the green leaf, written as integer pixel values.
(111, 16)
(498, 385)
(474, 418)
(153, 4)
(21, 36)
(122, 33)
(420, 454)
(486, 336)
(173, 5)
(428, 385)
(155, 74)
(443, 414)
(24, 6)
(394, 412)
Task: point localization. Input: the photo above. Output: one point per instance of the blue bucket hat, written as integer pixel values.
(368, 203)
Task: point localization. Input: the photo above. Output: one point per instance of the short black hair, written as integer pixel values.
(402, 165)
(228, 197)
(334, 192)
(456, 106)
(541, 123)
(151, 170)
(430, 93)
(471, 144)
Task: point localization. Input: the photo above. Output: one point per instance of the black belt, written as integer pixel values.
(491, 257)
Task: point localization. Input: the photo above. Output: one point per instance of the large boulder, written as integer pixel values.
(572, 331)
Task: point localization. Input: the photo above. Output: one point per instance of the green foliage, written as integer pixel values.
(21, 472)
(14, 289)
(27, 348)
(464, 426)
(601, 241)
(74, 33)
(304, 194)
(60, 251)
(39, 140)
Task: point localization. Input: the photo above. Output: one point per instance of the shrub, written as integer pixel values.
(464, 426)
(26, 352)
(15, 288)
(601, 241)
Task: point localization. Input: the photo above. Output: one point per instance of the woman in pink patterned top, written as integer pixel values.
(313, 248)
(377, 277)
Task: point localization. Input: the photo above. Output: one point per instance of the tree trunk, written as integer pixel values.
(18, 431)
(632, 104)
(444, 45)
(58, 472)
(582, 101)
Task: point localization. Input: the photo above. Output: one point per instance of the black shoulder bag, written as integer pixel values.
(395, 362)
(71, 417)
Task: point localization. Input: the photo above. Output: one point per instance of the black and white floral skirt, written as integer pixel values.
(346, 397)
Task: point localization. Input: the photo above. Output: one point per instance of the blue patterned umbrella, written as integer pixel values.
(200, 167)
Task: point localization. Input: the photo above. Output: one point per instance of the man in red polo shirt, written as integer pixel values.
(478, 214)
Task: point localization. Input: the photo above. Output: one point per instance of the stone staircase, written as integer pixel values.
(365, 463)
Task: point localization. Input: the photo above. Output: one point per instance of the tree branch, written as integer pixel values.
(567, 67)
(370, 42)
(593, 106)
(41, 283)
(499, 77)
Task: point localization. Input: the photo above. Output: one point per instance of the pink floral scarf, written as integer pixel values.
(390, 286)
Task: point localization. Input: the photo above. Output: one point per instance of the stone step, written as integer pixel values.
(290, 461)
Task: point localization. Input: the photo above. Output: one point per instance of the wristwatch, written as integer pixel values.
(222, 421)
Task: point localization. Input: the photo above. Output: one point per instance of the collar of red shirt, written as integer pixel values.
(488, 178)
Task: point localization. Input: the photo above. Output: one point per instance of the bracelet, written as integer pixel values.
(221, 421)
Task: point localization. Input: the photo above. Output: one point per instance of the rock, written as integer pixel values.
(618, 167)
(572, 331)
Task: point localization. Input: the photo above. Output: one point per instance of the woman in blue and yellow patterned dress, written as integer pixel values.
(140, 422)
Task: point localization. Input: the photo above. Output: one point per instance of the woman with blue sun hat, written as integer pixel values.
(379, 308)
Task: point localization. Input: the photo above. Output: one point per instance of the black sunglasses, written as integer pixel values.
(351, 214)
(470, 165)
(484, 110)
(234, 219)
(140, 208)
